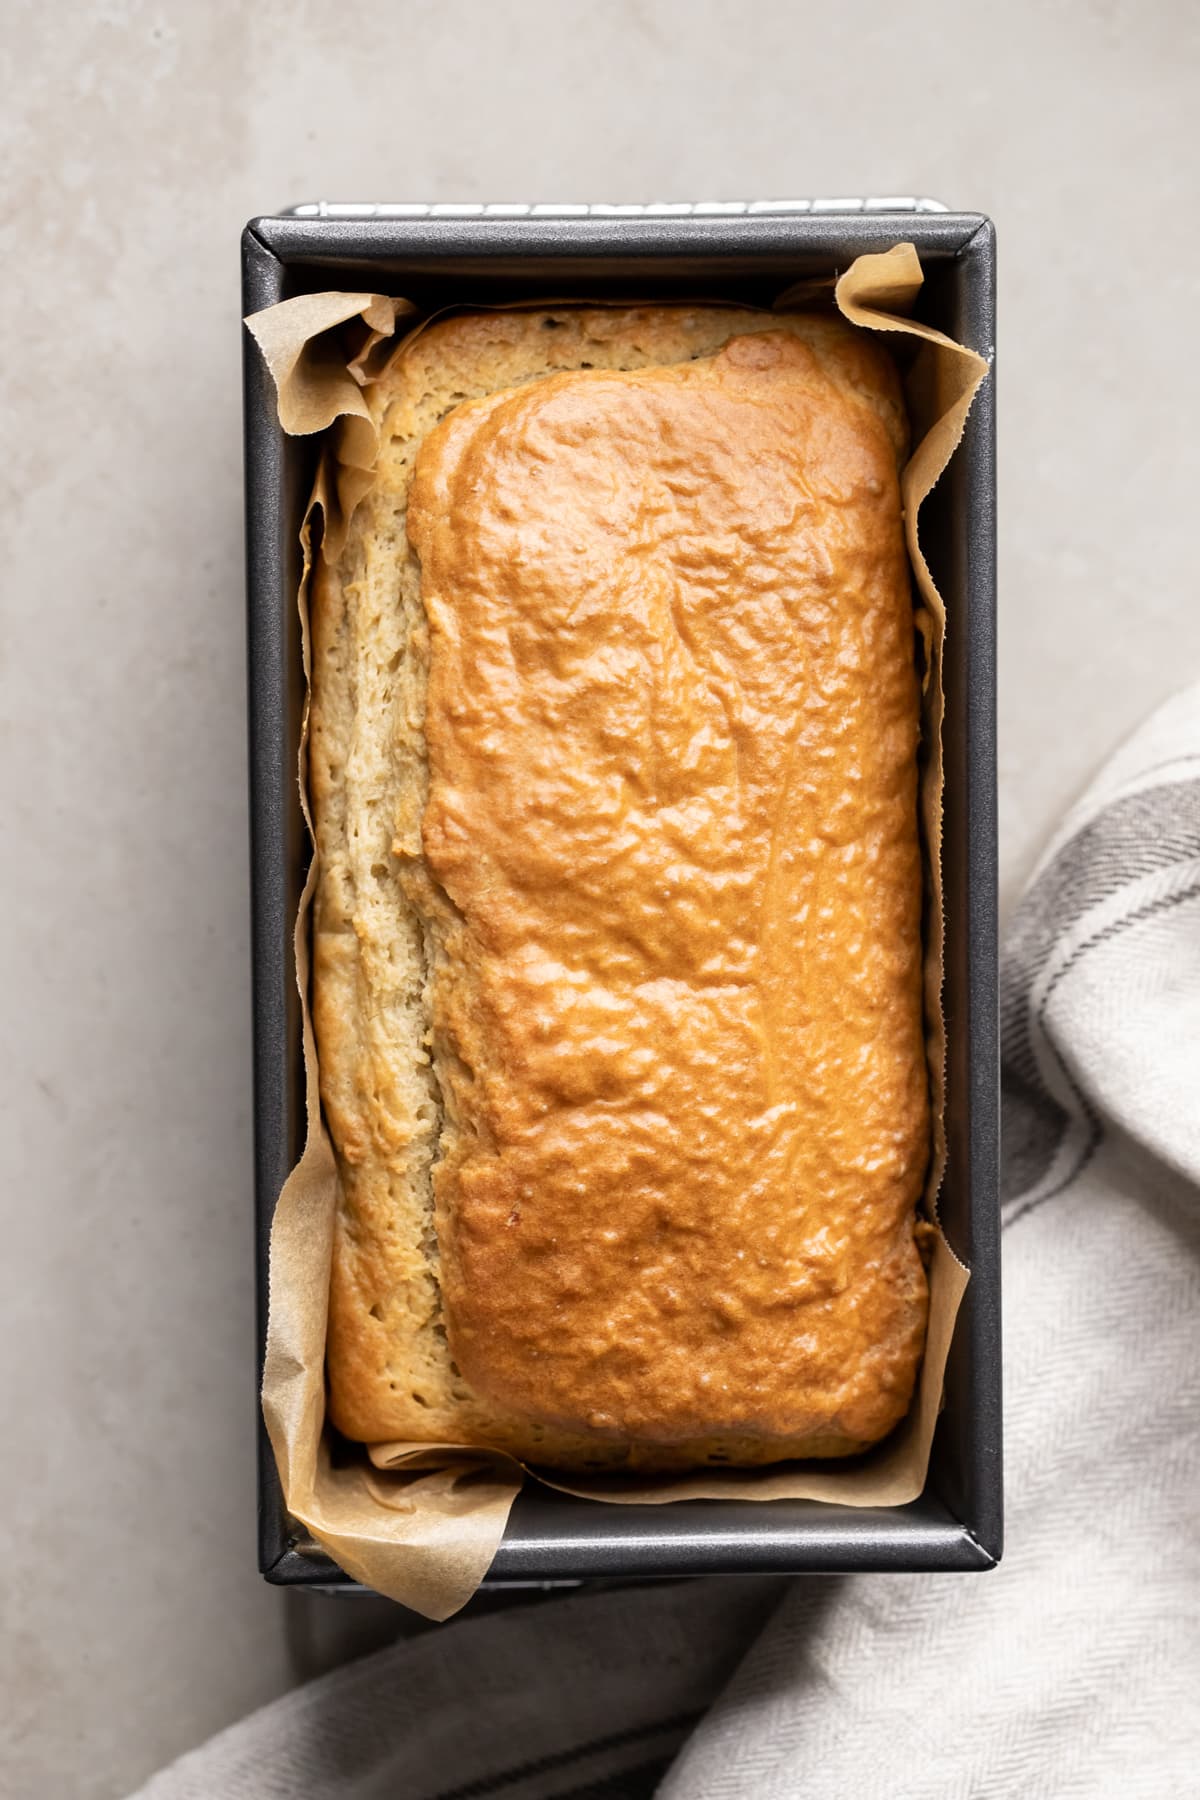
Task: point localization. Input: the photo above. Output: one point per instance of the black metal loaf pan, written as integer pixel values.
(445, 255)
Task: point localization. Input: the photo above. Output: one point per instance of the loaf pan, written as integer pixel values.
(440, 255)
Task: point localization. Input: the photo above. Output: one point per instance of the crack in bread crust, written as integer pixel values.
(386, 930)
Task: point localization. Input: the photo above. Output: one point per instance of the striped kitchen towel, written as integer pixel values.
(1074, 1669)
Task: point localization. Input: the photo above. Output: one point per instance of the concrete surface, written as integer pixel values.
(137, 138)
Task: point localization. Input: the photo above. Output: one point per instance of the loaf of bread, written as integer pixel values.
(617, 931)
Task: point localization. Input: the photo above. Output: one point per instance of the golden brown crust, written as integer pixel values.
(616, 797)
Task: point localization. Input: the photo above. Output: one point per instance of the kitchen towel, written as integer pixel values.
(1072, 1669)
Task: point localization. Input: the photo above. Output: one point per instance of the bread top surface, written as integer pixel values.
(669, 877)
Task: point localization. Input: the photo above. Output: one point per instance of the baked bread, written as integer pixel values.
(617, 931)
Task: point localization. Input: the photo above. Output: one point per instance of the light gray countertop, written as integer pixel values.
(138, 138)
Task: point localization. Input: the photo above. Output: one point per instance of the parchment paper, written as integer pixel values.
(418, 1522)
